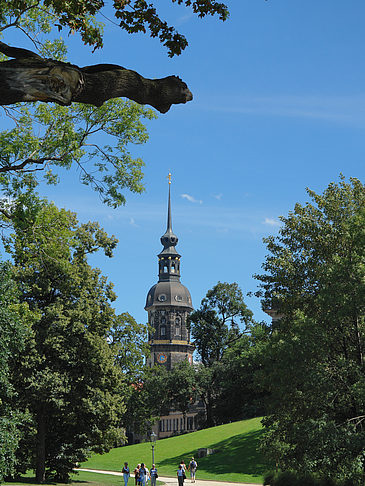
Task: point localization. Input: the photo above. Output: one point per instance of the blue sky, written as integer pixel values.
(279, 105)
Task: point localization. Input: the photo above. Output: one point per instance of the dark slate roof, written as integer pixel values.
(169, 293)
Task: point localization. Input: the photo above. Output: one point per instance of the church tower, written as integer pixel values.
(168, 305)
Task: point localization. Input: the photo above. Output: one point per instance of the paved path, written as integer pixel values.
(173, 481)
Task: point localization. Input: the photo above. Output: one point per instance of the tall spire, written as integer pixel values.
(169, 221)
(169, 259)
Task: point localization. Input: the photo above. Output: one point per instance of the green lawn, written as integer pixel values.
(80, 479)
(237, 459)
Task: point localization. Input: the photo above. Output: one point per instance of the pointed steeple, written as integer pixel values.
(169, 259)
(169, 222)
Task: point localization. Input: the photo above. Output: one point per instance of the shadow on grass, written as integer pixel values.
(238, 454)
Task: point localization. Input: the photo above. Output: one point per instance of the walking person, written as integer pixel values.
(126, 473)
(148, 477)
(153, 475)
(180, 475)
(192, 468)
(136, 474)
(142, 475)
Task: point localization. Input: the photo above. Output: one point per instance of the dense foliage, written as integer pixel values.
(133, 16)
(226, 340)
(290, 478)
(158, 392)
(216, 324)
(313, 364)
(65, 377)
(13, 332)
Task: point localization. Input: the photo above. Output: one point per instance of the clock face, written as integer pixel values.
(161, 358)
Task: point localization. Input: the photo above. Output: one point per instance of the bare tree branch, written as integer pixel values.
(40, 161)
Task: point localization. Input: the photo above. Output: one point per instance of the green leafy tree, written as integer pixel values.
(134, 16)
(65, 376)
(237, 394)
(29, 77)
(128, 342)
(43, 140)
(48, 138)
(216, 324)
(158, 392)
(313, 365)
(215, 327)
(13, 333)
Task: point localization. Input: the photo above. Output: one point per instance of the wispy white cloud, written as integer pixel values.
(338, 109)
(132, 222)
(271, 222)
(241, 222)
(184, 18)
(218, 196)
(191, 198)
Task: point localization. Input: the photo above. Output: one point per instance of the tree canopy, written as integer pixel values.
(66, 376)
(216, 324)
(217, 327)
(313, 364)
(14, 329)
(30, 77)
(132, 15)
(48, 137)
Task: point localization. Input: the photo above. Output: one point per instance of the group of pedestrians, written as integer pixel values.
(181, 472)
(142, 475)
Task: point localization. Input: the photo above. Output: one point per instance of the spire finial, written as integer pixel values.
(169, 178)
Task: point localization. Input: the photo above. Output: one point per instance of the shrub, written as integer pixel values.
(290, 478)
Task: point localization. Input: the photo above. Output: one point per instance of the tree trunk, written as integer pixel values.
(29, 77)
(209, 409)
(41, 448)
(360, 357)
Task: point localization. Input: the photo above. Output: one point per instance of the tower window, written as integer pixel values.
(163, 331)
(165, 269)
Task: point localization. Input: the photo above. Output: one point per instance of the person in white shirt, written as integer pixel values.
(126, 473)
(180, 475)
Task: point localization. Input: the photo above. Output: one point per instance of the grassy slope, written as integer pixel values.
(237, 458)
(80, 479)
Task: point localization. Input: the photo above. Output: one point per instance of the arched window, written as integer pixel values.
(163, 331)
